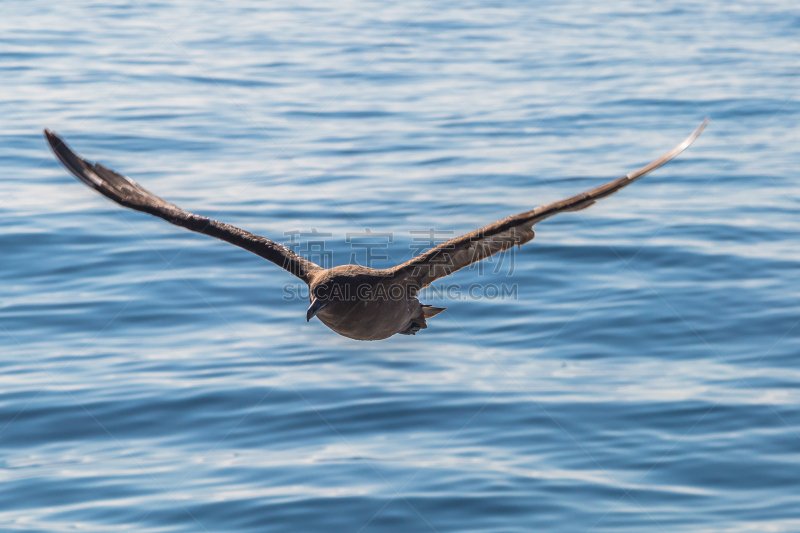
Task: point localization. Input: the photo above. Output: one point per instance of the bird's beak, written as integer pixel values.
(316, 306)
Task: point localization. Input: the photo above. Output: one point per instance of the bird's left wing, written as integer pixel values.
(465, 250)
(128, 193)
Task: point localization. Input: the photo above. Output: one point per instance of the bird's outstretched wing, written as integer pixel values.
(462, 251)
(128, 193)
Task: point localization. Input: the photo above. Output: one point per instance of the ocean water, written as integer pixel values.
(634, 368)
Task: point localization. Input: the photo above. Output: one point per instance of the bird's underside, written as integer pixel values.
(357, 302)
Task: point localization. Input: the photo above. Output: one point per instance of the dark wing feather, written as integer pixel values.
(128, 193)
(465, 250)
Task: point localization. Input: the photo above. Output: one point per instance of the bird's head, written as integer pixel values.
(338, 288)
(329, 292)
(321, 297)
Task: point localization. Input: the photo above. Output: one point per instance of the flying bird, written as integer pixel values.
(355, 301)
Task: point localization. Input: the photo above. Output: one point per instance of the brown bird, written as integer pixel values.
(354, 301)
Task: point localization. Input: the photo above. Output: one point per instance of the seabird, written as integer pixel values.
(355, 301)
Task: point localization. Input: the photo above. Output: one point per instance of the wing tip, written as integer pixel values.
(636, 174)
(691, 138)
(56, 143)
(700, 128)
(78, 166)
(51, 137)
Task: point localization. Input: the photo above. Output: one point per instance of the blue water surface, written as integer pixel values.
(640, 373)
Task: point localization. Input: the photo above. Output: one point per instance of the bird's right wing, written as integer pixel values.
(470, 248)
(128, 193)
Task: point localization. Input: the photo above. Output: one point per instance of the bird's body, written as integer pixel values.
(366, 304)
(350, 313)
(354, 301)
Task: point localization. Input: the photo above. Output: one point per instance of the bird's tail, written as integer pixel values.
(428, 311)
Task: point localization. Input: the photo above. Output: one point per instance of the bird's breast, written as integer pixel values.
(369, 320)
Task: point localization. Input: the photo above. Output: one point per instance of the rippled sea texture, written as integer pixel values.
(644, 377)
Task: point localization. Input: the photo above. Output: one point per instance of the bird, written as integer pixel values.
(357, 302)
